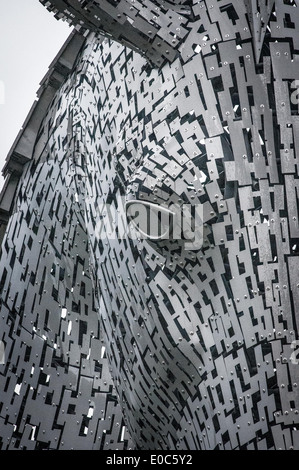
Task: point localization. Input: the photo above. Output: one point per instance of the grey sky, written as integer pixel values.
(30, 38)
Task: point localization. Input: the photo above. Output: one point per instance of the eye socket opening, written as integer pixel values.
(167, 228)
(152, 221)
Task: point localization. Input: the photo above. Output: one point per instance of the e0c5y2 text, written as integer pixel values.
(170, 459)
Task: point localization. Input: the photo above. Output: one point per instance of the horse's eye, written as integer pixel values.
(152, 221)
(178, 226)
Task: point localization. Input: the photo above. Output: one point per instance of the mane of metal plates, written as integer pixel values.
(121, 342)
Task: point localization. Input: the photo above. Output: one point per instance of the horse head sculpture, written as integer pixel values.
(150, 264)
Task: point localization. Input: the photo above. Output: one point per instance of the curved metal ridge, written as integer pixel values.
(22, 149)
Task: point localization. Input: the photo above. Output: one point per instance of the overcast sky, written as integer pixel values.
(30, 38)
